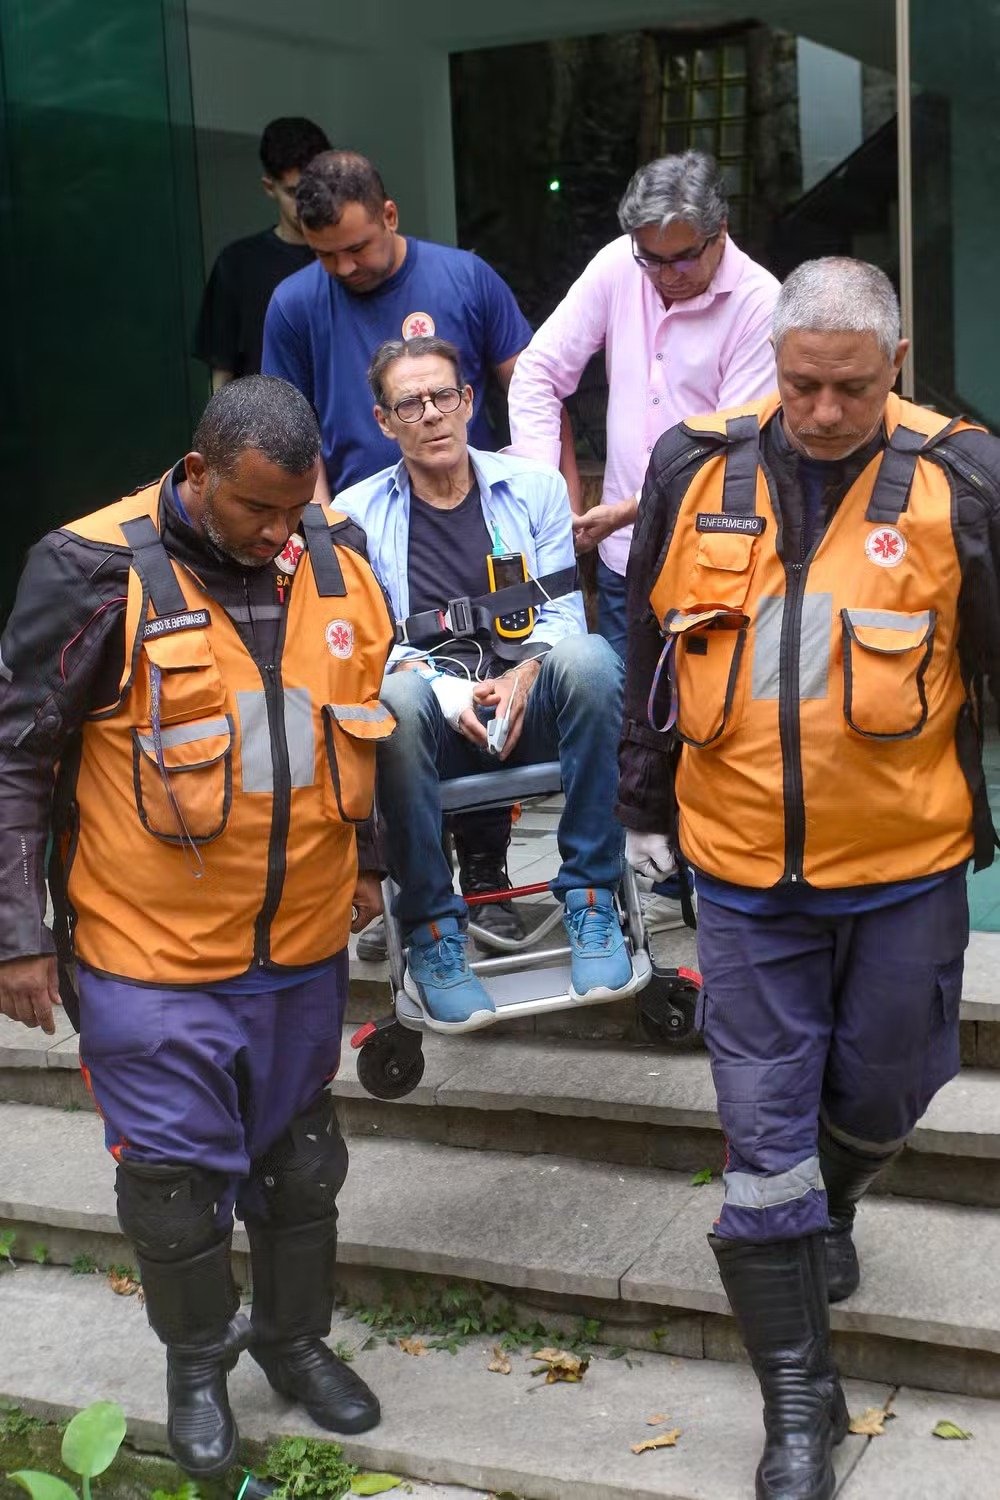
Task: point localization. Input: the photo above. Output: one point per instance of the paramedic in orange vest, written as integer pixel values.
(813, 600)
(189, 701)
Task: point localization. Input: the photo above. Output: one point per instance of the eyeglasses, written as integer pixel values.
(411, 408)
(686, 261)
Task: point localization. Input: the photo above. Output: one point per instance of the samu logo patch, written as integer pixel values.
(339, 635)
(885, 547)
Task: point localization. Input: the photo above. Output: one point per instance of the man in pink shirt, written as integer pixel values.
(684, 318)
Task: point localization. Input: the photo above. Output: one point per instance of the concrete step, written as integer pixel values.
(625, 1245)
(601, 1101)
(448, 1420)
(370, 996)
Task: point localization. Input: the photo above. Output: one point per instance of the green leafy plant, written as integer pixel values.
(187, 1491)
(700, 1179)
(15, 1423)
(89, 1446)
(83, 1264)
(39, 1253)
(450, 1318)
(310, 1466)
(8, 1238)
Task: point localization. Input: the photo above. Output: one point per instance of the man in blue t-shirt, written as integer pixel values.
(370, 283)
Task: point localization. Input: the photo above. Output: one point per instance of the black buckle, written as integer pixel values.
(458, 616)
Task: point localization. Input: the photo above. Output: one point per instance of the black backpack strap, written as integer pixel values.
(891, 492)
(739, 491)
(326, 567)
(153, 565)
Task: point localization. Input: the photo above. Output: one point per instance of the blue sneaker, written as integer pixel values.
(601, 968)
(438, 977)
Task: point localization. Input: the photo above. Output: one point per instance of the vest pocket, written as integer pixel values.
(723, 568)
(190, 684)
(886, 655)
(352, 730)
(184, 783)
(708, 651)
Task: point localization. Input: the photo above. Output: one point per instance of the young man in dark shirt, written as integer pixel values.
(230, 333)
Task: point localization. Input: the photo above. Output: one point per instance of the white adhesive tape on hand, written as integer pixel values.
(454, 694)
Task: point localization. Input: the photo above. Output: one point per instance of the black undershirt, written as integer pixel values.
(446, 559)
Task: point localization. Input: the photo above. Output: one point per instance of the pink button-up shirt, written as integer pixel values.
(663, 363)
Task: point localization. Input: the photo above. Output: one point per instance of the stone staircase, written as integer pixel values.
(552, 1163)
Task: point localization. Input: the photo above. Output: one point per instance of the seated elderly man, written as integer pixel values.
(471, 691)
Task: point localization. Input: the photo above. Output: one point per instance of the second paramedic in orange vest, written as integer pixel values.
(189, 700)
(813, 598)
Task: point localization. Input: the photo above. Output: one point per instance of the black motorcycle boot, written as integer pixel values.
(482, 866)
(847, 1174)
(192, 1306)
(777, 1291)
(291, 1316)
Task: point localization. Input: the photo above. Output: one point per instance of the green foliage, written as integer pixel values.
(374, 1484)
(345, 1351)
(15, 1423)
(8, 1238)
(188, 1491)
(90, 1443)
(83, 1265)
(308, 1466)
(449, 1318)
(39, 1253)
(93, 1438)
(701, 1178)
(42, 1486)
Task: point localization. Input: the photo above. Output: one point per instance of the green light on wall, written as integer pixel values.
(555, 185)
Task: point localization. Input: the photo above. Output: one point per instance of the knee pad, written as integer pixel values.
(168, 1209)
(299, 1178)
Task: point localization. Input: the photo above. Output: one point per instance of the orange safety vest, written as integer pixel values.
(215, 803)
(817, 707)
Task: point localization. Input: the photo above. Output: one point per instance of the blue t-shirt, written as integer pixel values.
(321, 337)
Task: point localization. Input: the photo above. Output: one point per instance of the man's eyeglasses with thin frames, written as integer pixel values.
(683, 262)
(411, 408)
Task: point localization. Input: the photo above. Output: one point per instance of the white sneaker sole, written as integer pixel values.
(602, 992)
(476, 1022)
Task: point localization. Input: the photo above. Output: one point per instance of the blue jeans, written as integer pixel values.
(573, 712)
(612, 621)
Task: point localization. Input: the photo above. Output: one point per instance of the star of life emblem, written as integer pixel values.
(885, 547)
(339, 636)
(288, 558)
(417, 324)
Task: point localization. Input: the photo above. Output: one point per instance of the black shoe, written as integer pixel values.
(292, 1311)
(307, 1371)
(372, 947)
(201, 1430)
(778, 1294)
(478, 872)
(847, 1176)
(843, 1273)
(192, 1306)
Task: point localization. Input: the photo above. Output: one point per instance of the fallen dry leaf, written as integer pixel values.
(500, 1363)
(413, 1346)
(122, 1283)
(559, 1364)
(871, 1422)
(655, 1421)
(662, 1440)
(946, 1429)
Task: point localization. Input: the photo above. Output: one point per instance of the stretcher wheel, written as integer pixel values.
(667, 1007)
(390, 1066)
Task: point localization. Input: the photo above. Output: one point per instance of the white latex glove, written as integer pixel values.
(649, 854)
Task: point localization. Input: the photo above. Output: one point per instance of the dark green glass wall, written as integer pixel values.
(100, 257)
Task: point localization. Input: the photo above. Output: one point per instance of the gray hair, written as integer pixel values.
(417, 348)
(686, 188)
(258, 412)
(838, 295)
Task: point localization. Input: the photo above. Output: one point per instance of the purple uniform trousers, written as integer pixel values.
(852, 1019)
(208, 1078)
